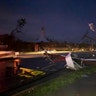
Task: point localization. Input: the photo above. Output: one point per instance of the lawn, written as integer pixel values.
(46, 88)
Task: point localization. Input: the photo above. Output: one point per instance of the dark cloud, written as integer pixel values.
(62, 19)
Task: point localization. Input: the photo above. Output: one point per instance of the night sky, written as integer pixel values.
(63, 20)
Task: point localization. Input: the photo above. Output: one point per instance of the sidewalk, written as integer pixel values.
(86, 86)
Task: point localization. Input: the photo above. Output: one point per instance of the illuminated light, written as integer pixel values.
(92, 49)
(72, 49)
(17, 60)
(93, 55)
(82, 49)
(17, 53)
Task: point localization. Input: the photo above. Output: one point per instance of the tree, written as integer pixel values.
(20, 23)
(12, 37)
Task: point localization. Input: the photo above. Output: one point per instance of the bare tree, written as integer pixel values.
(12, 41)
(20, 23)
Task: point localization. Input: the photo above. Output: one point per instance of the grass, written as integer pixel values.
(57, 83)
